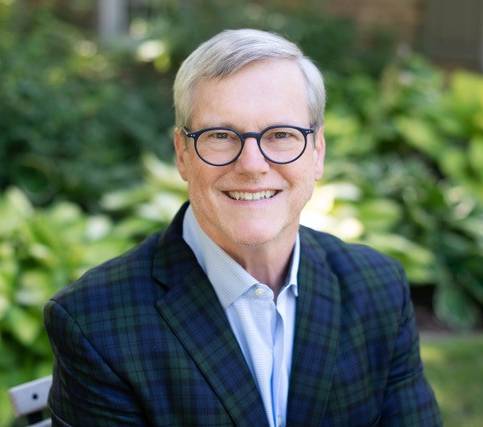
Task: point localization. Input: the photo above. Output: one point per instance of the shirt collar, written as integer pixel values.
(229, 279)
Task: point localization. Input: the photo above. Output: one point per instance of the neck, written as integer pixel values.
(268, 262)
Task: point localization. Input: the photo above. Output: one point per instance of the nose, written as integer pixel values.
(251, 159)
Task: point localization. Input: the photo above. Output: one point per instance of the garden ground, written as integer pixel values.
(454, 367)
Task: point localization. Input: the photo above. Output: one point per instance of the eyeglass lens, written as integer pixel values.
(221, 146)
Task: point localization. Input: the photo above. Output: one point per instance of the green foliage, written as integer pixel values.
(454, 368)
(40, 252)
(77, 115)
(150, 206)
(78, 118)
(72, 124)
(412, 147)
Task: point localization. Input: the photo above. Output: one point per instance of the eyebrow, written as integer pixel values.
(231, 125)
(206, 125)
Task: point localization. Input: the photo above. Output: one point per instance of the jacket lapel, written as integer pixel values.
(316, 335)
(191, 309)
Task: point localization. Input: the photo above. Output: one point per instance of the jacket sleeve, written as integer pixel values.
(409, 400)
(85, 390)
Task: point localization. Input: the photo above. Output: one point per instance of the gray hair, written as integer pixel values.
(228, 52)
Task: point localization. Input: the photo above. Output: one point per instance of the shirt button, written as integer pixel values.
(259, 292)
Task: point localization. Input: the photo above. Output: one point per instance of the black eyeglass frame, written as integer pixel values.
(243, 136)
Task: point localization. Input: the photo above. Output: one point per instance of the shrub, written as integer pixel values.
(44, 249)
(41, 250)
(73, 125)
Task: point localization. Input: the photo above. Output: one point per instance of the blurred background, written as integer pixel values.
(86, 162)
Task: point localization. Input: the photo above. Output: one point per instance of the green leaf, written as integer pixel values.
(163, 174)
(23, 325)
(466, 92)
(125, 199)
(453, 307)
(102, 250)
(160, 208)
(64, 213)
(35, 287)
(473, 283)
(4, 303)
(420, 134)
(98, 227)
(475, 156)
(19, 202)
(417, 260)
(379, 214)
(14, 209)
(473, 226)
(453, 161)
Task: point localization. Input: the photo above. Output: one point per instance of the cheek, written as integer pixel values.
(303, 175)
(303, 184)
(202, 181)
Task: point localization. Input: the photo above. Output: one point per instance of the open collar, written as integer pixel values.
(229, 279)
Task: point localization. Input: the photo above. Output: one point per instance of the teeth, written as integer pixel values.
(238, 195)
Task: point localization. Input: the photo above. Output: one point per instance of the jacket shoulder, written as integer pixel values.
(112, 284)
(348, 258)
(369, 281)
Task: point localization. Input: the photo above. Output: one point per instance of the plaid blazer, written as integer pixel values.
(142, 340)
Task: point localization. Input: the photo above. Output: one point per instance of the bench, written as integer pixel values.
(29, 400)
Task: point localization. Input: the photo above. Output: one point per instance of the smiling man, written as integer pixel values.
(237, 315)
(269, 151)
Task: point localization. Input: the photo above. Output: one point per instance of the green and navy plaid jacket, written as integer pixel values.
(143, 341)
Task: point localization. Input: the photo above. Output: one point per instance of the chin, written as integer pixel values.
(255, 241)
(255, 236)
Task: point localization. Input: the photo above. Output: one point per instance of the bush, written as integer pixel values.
(412, 144)
(77, 115)
(73, 125)
(42, 250)
(409, 137)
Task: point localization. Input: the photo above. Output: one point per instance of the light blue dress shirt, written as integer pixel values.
(263, 327)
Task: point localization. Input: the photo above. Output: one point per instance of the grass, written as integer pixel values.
(454, 367)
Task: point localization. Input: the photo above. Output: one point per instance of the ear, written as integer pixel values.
(181, 151)
(319, 153)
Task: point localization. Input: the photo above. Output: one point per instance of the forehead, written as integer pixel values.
(259, 94)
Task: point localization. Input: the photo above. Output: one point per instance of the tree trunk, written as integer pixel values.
(112, 18)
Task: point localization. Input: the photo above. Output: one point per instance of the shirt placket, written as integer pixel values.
(280, 376)
(265, 311)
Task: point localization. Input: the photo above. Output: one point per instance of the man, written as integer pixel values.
(236, 315)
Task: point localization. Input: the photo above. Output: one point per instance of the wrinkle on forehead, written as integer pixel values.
(211, 122)
(250, 99)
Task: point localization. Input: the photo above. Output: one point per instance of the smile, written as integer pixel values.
(243, 195)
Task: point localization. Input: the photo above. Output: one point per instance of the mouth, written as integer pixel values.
(251, 196)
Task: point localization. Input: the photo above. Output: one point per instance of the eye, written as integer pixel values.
(219, 135)
(281, 134)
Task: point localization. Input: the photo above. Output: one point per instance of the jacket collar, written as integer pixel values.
(317, 326)
(192, 311)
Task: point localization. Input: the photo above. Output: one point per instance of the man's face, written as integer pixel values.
(259, 95)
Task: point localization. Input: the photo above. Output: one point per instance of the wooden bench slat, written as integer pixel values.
(45, 423)
(30, 397)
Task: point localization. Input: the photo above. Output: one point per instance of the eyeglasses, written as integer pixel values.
(220, 146)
